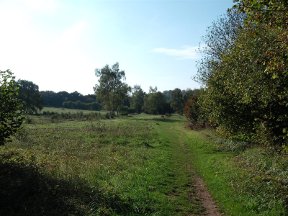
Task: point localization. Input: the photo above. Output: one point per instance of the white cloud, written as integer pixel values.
(188, 52)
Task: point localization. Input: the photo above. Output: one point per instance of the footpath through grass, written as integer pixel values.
(243, 180)
(140, 165)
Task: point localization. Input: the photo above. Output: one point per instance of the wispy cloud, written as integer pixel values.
(187, 52)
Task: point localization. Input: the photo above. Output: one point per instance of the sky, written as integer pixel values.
(58, 44)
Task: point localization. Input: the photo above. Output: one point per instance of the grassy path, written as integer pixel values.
(141, 165)
(188, 183)
(131, 166)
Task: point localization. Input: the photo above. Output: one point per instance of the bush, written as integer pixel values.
(10, 107)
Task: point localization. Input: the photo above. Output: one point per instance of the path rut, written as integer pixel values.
(198, 185)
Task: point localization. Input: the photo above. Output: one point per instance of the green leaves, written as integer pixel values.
(30, 96)
(247, 87)
(10, 107)
(111, 90)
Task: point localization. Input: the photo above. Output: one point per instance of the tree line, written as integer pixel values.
(22, 97)
(244, 74)
(111, 94)
(74, 100)
(119, 98)
(244, 71)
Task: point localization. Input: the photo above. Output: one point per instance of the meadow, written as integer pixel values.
(137, 165)
(99, 167)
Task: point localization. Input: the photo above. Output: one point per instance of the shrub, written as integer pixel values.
(10, 107)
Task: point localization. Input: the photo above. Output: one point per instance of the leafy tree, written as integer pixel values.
(53, 99)
(188, 93)
(155, 103)
(111, 90)
(193, 108)
(177, 101)
(81, 105)
(137, 99)
(269, 12)
(219, 39)
(30, 96)
(10, 107)
(73, 100)
(221, 99)
(153, 90)
(246, 87)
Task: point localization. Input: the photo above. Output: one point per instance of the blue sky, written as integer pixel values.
(58, 44)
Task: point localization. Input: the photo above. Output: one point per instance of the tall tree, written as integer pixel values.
(111, 90)
(269, 12)
(30, 96)
(246, 88)
(177, 101)
(10, 106)
(137, 99)
(220, 37)
(155, 103)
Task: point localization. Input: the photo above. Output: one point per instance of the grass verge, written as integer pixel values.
(244, 182)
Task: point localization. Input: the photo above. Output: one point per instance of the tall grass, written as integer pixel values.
(92, 167)
(140, 165)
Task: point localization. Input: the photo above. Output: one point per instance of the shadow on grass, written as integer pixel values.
(159, 119)
(166, 119)
(25, 191)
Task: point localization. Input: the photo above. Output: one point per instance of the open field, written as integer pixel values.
(107, 167)
(65, 110)
(140, 165)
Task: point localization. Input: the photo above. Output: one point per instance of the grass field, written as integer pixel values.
(65, 110)
(140, 165)
(102, 167)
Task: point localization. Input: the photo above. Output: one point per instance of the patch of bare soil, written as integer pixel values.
(208, 203)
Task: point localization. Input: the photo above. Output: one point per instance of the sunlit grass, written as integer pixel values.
(235, 178)
(136, 165)
(125, 164)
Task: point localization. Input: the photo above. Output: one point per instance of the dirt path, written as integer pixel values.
(207, 201)
(197, 186)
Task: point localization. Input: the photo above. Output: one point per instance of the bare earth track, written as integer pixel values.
(208, 203)
(197, 189)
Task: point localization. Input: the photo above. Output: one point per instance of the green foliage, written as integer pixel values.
(177, 101)
(220, 37)
(155, 103)
(30, 96)
(137, 99)
(247, 86)
(10, 106)
(111, 90)
(193, 112)
(269, 12)
(82, 105)
(73, 100)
